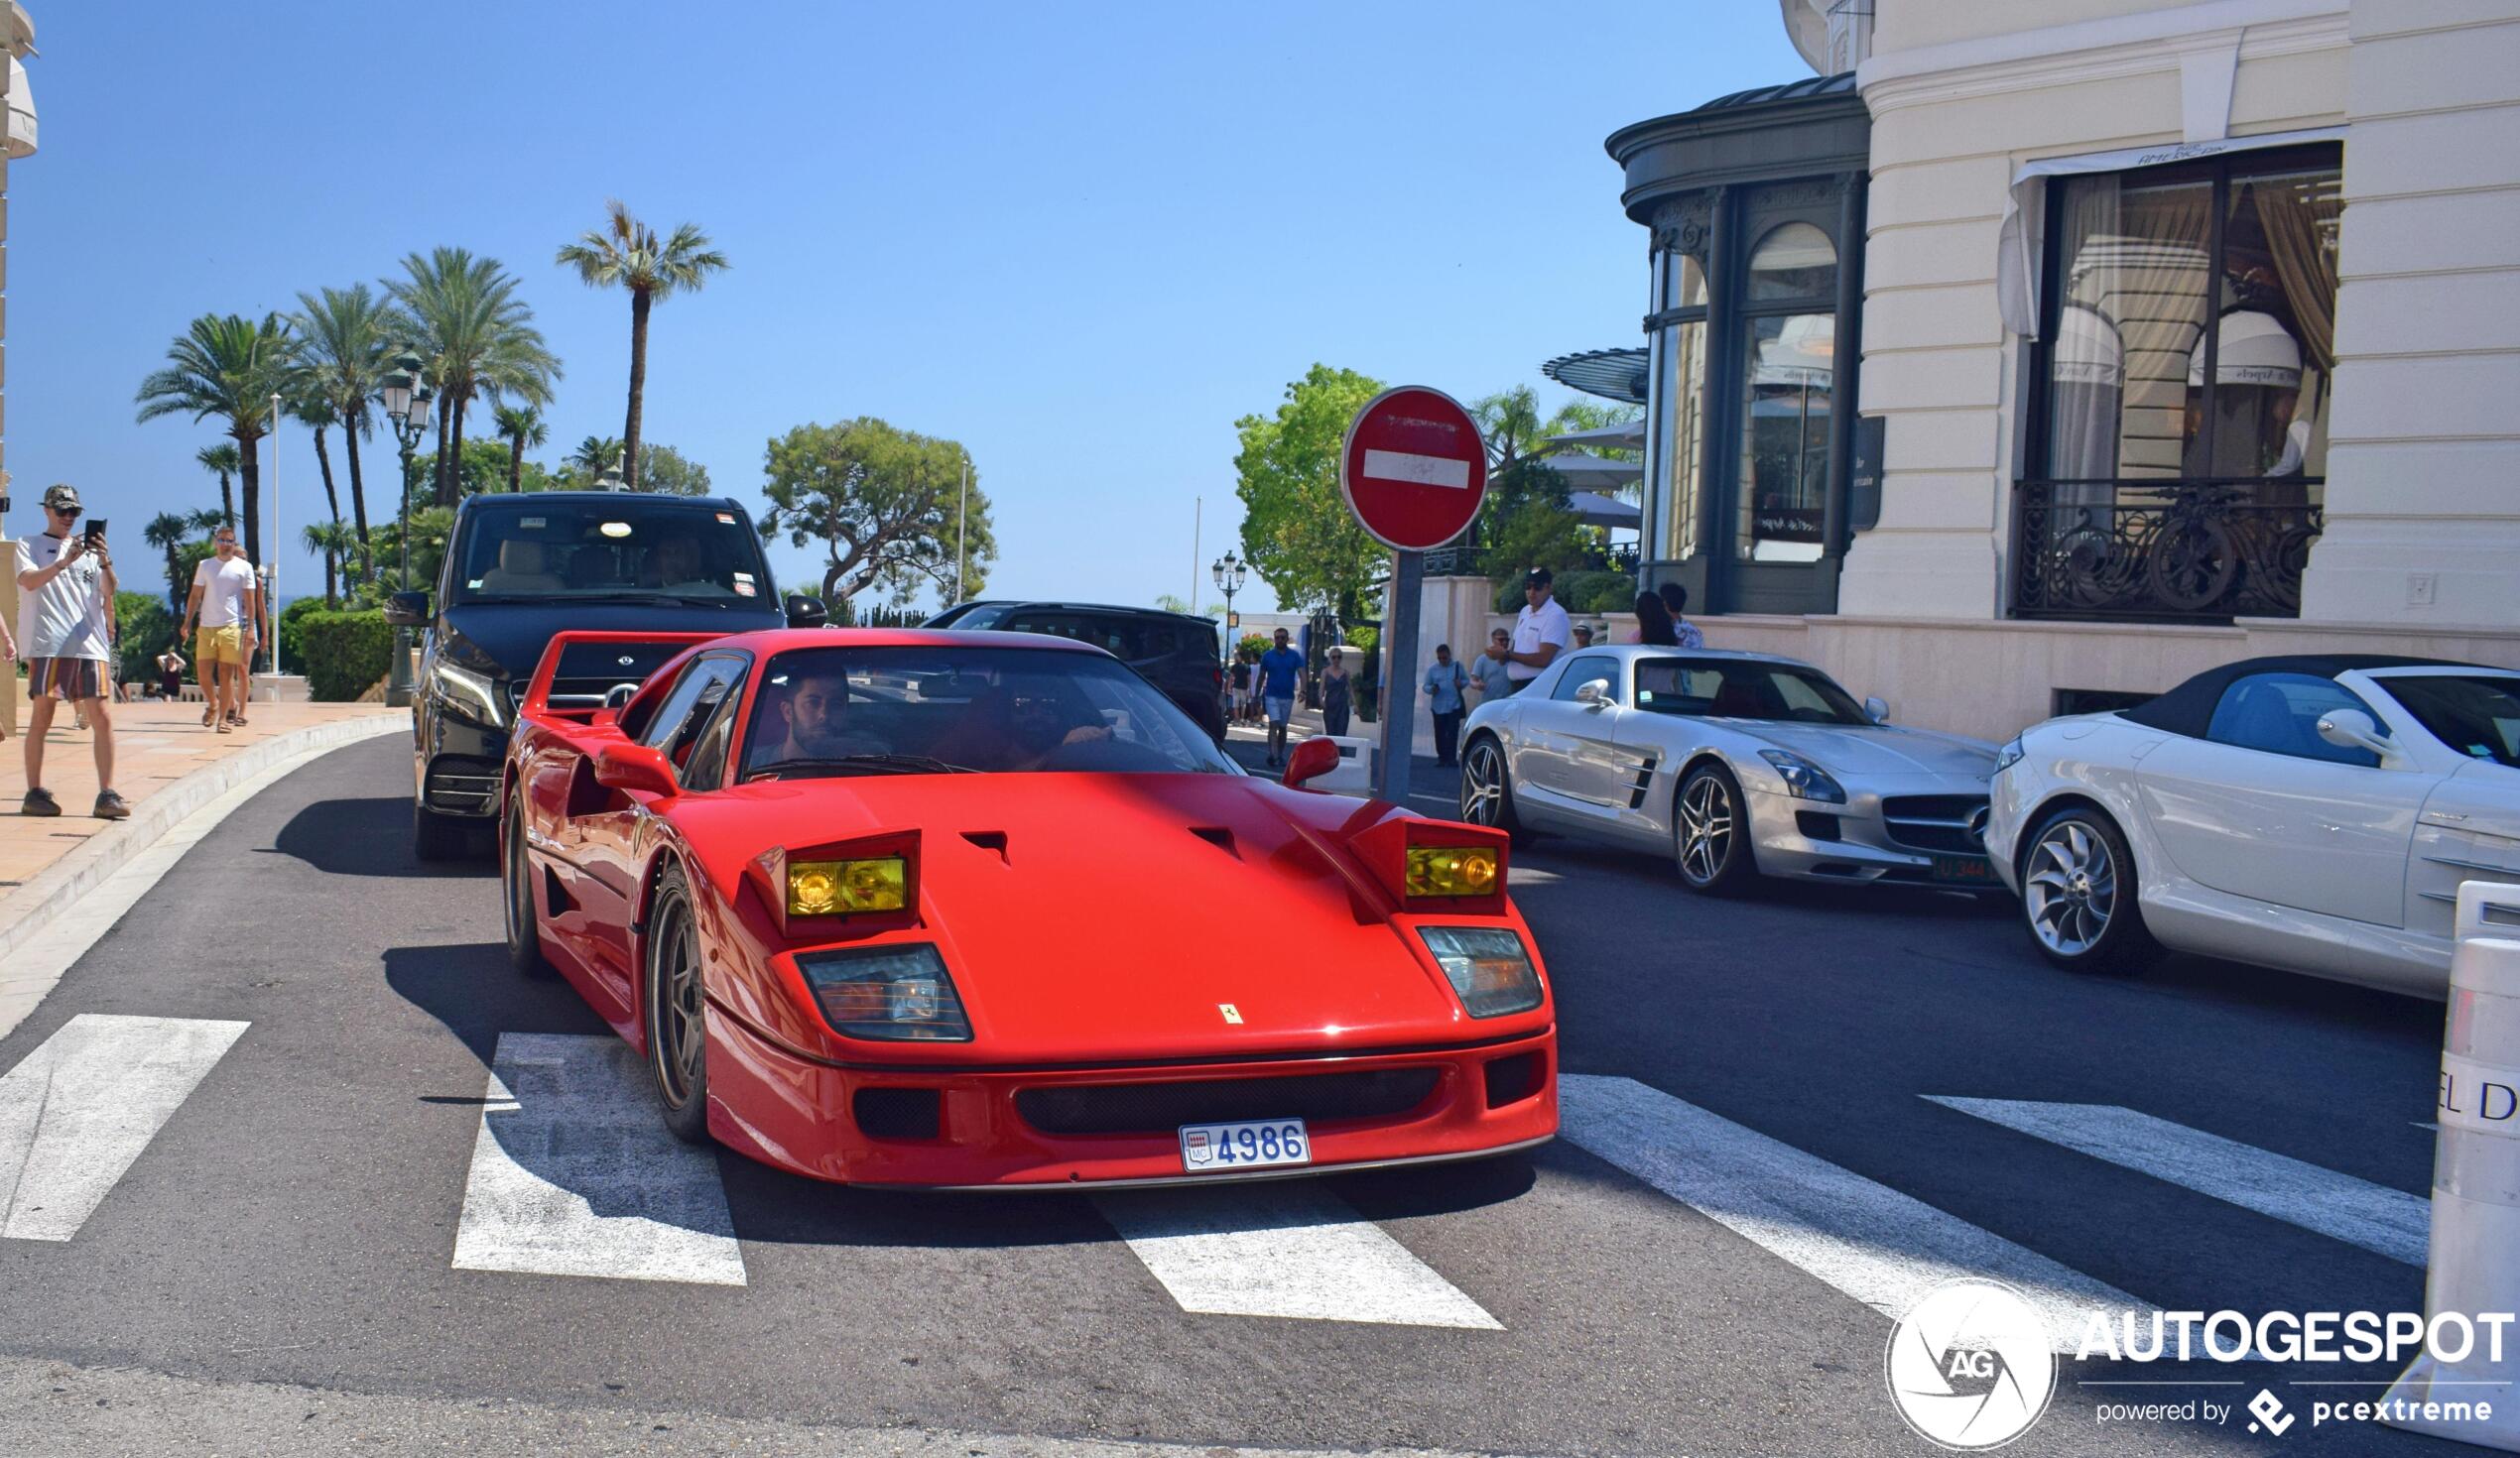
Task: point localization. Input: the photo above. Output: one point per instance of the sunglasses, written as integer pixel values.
(65, 513)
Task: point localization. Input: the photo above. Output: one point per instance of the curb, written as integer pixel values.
(56, 888)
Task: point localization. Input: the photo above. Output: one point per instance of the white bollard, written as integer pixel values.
(2475, 1257)
(1356, 772)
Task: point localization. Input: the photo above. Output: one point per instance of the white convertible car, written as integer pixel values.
(2315, 814)
(1734, 764)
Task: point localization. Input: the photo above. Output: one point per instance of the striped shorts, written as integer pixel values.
(74, 680)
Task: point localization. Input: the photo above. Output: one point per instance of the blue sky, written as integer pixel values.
(1083, 240)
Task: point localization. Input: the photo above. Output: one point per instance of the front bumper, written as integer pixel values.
(460, 764)
(978, 1130)
(1909, 837)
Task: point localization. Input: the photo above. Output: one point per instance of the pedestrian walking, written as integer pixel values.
(1336, 688)
(1240, 679)
(1653, 622)
(1444, 680)
(1676, 599)
(227, 599)
(1279, 671)
(1487, 670)
(1541, 631)
(66, 582)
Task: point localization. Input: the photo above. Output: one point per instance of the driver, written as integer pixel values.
(813, 713)
(676, 566)
(1040, 723)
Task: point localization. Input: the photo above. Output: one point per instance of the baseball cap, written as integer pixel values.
(1538, 577)
(61, 497)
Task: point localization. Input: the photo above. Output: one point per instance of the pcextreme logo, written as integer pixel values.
(1972, 1365)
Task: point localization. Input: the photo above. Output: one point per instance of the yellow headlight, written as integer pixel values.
(1451, 870)
(842, 888)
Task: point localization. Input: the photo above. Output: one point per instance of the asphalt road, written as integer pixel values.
(291, 1228)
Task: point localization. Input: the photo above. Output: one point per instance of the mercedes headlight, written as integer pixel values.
(1487, 967)
(1803, 779)
(474, 696)
(2009, 756)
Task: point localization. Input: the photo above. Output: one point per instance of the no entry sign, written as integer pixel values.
(1414, 470)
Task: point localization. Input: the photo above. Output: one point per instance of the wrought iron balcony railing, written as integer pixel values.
(2192, 551)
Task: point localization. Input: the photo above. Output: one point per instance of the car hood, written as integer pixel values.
(506, 638)
(1881, 750)
(1090, 918)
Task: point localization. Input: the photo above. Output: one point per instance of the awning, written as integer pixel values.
(1581, 470)
(1612, 374)
(1593, 509)
(1629, 436)
(2020, 241)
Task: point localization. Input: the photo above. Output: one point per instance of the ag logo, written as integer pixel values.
(1972, 1365)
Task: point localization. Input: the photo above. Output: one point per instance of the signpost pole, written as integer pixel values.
(1400, 677)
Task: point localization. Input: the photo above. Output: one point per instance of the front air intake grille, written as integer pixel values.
(462, 786)
(898, 1113)
(1940, 825)
(1160, 1107)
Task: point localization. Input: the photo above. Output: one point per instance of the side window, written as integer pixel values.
(1584, 670)
(686, 711)
(1055, 625)
(1673, 686)
(706, 767)
(2279, 713)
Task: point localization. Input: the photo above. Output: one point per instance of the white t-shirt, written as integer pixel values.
(223, 587)
(1533, 627)
(66, 617)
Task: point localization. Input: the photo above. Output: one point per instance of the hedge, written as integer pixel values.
(345, 653)
(1578, 591)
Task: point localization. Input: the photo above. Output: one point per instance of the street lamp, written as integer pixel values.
(405, 397)
(1228, 572)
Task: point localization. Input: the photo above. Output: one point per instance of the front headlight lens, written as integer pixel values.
(1487, 967)
(898, 994)
(2009, 756)
(475, 695)
(845, 888)
(1803, 779)
(1451, 870)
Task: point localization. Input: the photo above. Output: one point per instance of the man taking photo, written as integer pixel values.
(227, 598)
(66, 582)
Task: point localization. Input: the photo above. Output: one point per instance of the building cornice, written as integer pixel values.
(2099, 50)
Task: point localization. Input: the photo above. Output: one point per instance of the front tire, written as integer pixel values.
(676, 1011)
(516, 895)
(2078, 895)
(436, 837)
(1711, 832)
(1487, 789)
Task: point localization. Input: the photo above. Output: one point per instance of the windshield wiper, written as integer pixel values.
(870, 763)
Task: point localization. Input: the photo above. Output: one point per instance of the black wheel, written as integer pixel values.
(1711, 832)
(516, 887)
(436, 837)
(1487, 789)
(2078, 895)
(678, 1027)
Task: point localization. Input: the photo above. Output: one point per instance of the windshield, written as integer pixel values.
(2477, 716)
(938, 710)
(630, 546)
(1736, 689)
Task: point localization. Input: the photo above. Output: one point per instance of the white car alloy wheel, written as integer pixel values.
(1483, 785)
(1707, 831)
(2070, 891)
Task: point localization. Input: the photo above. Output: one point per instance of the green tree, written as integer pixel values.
(480, 341)
(348, 335)
(593, 454)
(664, 471)
(1526, 521)
(224, 462)
(626, 253)
(336, 541)
(228, 367)
(430, 528)
(167, 533)
(882, 502)
(1297, 530)
(482, 468)
(309, 407)
(142, 630)
(521, 426)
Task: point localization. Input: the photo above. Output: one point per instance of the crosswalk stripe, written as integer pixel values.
(2381, 1220)
(1885, 1248)
(1283, 1250)
(573, 1173)
(78, 1110)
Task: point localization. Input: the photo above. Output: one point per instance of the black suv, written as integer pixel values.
(1175, 652)
(522, 567)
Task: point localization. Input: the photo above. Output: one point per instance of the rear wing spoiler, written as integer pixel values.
(595, 656)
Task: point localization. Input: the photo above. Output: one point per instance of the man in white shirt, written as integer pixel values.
(227, 598)
(65, 582)
(1541, 632)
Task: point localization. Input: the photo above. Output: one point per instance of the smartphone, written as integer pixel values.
(95, 530)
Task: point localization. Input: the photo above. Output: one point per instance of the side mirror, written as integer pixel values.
(2354, 729)
(806, 611)
(407, 610)
(1877, 710)
(635, 767)
(1595, 694)
(1311, 760)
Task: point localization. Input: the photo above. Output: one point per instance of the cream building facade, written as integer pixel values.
(2188, 333)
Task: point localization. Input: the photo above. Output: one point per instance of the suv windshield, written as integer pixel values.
(1742, 688)
(2479, 717)
(936, 710)
(627, 547)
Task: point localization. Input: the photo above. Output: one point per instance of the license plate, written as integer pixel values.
(1252, 1144)
(1966, 870)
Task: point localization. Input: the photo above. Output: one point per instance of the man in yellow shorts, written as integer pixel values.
(227, 599)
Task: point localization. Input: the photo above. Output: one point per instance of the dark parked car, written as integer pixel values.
(522, 567)
(1175, 652)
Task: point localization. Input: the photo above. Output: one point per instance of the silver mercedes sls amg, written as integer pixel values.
(1736, 764)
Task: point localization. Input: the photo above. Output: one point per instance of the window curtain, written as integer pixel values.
(2137, 276)
(2301, 232)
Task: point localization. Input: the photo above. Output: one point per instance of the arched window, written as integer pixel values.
(1794, 261)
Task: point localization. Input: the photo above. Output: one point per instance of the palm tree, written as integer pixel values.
(336, 541)
(167, 533)
(206, 520)
(311, 409)
(228, 366)
(347, 334)
(477, 334)
(593, 454)
(625, 252)
(523, 427)
(223, 460)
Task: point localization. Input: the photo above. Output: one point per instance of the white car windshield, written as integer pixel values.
(2477, 716)
(1744, 688)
